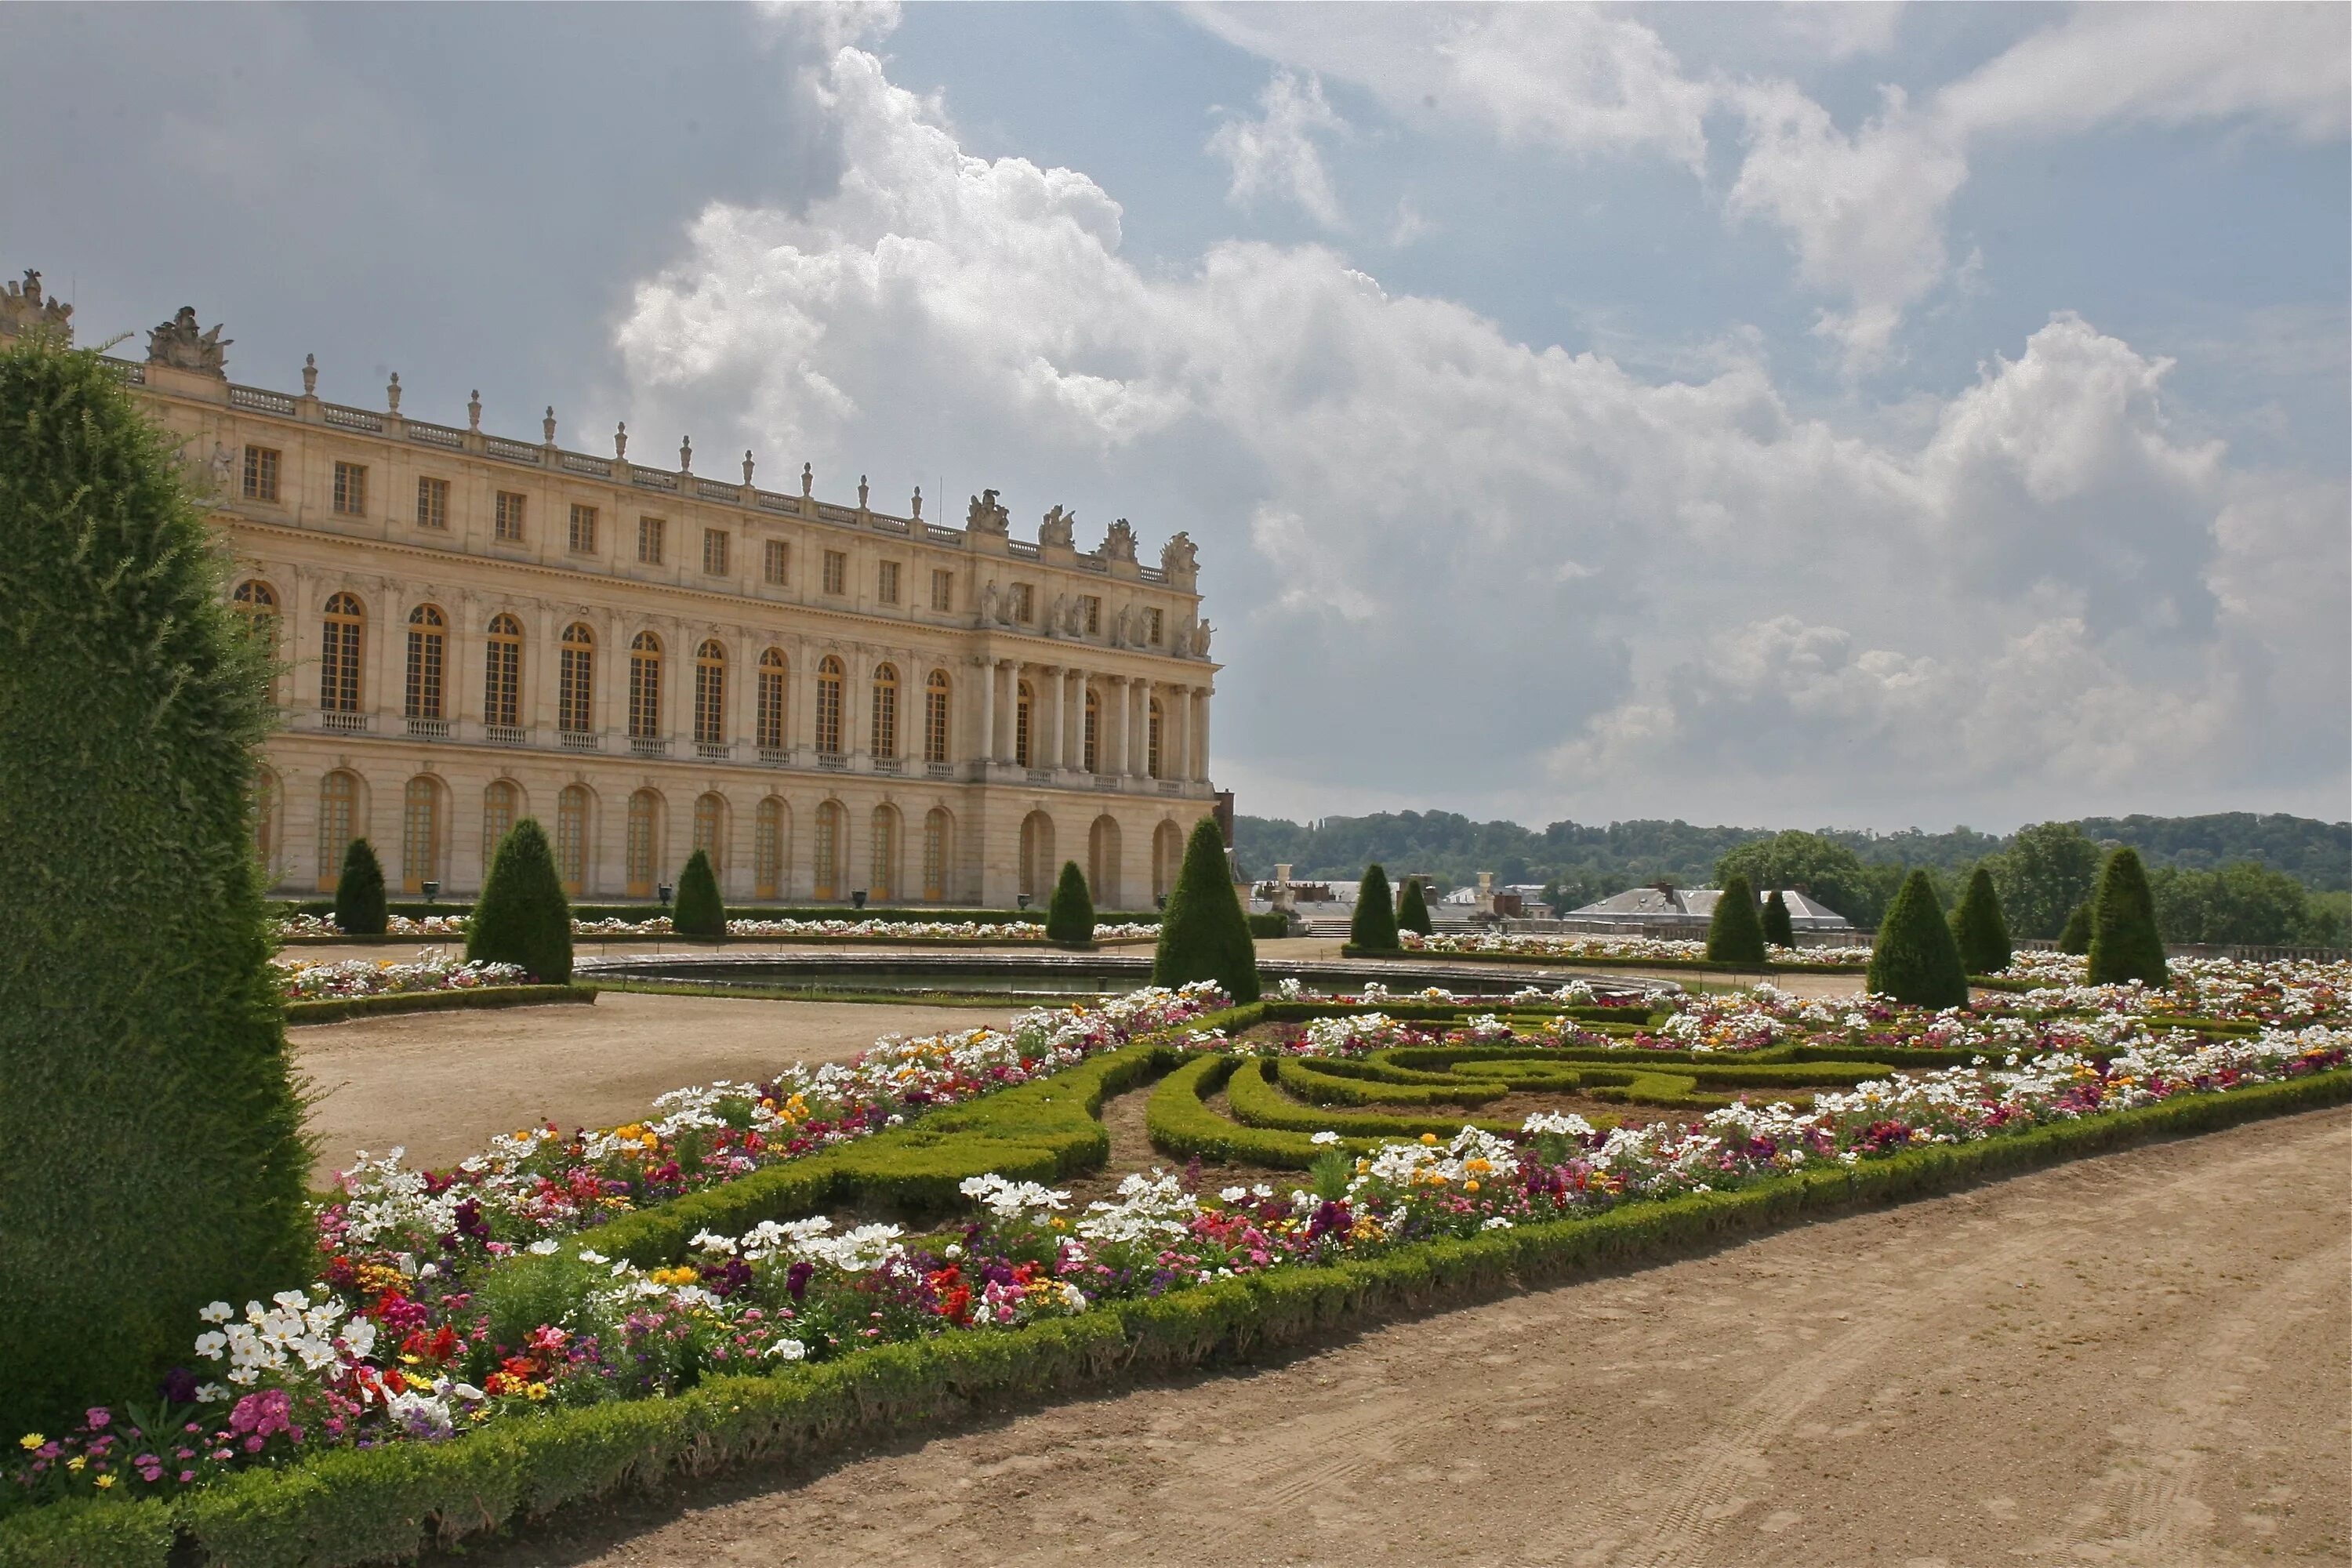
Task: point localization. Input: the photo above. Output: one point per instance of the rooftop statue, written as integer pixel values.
(24, 309)
(181, 345)
(1118, 543)
(985, 516)
(1056, 527)
(1176, 557)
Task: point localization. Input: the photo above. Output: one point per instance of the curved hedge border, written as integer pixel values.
(335, 1010)
(1540, 961)
(348, 1507)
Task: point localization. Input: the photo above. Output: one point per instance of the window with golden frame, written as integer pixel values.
(710, 693)
(770, 716)
(427, 645)
(645, 686)
(502, 673)
(340, 643)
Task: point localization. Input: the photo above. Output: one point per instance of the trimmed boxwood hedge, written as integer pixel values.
(335, 1010)
(1313, 1080)
(1349, 949)
(348, 1508)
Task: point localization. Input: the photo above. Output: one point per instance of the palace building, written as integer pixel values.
(831, 699)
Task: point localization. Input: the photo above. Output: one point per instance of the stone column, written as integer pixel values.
(1138, 722)
(984, 745)
(1201, 736)
(858, 706)
(1004, 675)
(1047, 753)
(1111, 736)
(801, 702)
(1175, 746)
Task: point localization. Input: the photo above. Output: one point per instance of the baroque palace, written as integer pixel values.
(830, 700)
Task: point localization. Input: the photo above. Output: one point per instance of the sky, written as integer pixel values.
(1821, 415)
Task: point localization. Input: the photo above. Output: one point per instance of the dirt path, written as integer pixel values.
(2141, 1359)
(442, 1083)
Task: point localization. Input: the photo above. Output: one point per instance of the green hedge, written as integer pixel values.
(1349, 949)
(349, 1508)
(1310, 1080)
(335, 1010)
(1257, 1102)
(1268, 925)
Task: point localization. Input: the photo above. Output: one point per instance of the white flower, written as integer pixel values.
(788, 1350)
(1325, 1137)
(543, 1248)
(218, 1312)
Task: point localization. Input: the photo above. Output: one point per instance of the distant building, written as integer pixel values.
(1683, 906)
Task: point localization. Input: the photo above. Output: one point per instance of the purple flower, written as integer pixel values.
(797, 1278)
(97, 1416)
(178, 1387)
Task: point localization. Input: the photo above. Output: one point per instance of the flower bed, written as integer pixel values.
(860, 930)
(313, 928)
(1617, 949)
(308, 982)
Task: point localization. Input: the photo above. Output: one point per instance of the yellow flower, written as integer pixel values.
(537, 1391)
(1471, 1185)
(1429, 1137)
(104, 1482)
(77, 1462)
(31, 1440)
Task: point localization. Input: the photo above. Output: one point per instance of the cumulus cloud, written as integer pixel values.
(1591, 586)
(1276, 153)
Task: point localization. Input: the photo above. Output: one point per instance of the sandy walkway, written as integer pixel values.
(442, 1083)
(2140, 1358)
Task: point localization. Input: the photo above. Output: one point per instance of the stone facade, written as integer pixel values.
(830, 699)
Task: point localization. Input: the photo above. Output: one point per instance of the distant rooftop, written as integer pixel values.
(1669, 905)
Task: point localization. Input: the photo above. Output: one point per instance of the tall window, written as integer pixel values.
(1151, 742)
(836, 572)
(502, 803)
(575, 686)
(886, 711)
(1021, 706)
(1167, 856)
(649, 541)
(826, 849)
(1092, 607)
(643, 848)
(1037, 855)
(769, 829)
(339, 655)
(1024, 602)
(776, 564)
(507, 522)
(1102, 862)
(351, 489)
(711, 831)
(935, 717)
(882, 869)
(645, 686)
(420, 834)
(427, 643)
(828, 706)
(1088, 750)
(771, 716)
(261, 473)
(936, 829)
(339, 805)
(711, 694)
(1155, 624)
(256, 604)
(432, 503)
(886, 583)
(572, 838)
(502, 673)
(583, 530)
(714, 552)
(943, 590)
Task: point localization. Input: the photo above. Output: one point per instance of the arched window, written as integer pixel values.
(935, 717)
(1151, 742)
(502, 674)
(711, 694)
(772, 671)
(265, 823)
(1102, 862)
(886, 710)
(256, 604)
(772, 835)
(575, 688)
(502, 803)
(939, 844)
(644, 842)
(339, 655)
(1167, 856)
(1022, 704)
(645, 686)
(711, 832)
(338, 806)
(882, 870)
(420, 834)
(1037, 855)
(827, 866)
(828, 706)
(572, 838)
(1093, 730)
(428, 644)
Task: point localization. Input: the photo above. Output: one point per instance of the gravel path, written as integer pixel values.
(2138, 1359)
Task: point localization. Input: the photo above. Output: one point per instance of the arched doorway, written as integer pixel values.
(573, 860)
(644, 850)
(771, 842)
(1167, 856)
(1037, 855)
(825, 851)
(939, 844)
(1102, 862)
(420, 832)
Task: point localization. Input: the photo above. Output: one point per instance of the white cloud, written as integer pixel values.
(1430, 542)
(1275, 155)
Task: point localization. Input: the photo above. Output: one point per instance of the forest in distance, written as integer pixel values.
(2229, 876)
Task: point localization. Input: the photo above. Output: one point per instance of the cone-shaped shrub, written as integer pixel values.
(1735, 935)
(1070, 918)
(1979, 929)
(700, 911)
(359, 891)
(1374, 927)
(1916, 959)
(522, 916)
(2076, 938)
(1204, 934)
(153, 1158)
(2123, 941)
(1780, 931)
(1412, 909)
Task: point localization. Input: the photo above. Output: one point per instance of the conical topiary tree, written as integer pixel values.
(1916, 959)
(1979, 929)
(1070, 918)
(359, 891)
(1735, 935)
(154, 1159)
(1204, 934)
(2124, 944)
(1780, 931)
(699, 910)
(1412, 909)
(1374, 926)
(2076, 938)
(522, 916)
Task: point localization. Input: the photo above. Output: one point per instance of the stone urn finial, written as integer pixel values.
(747, 466)
(861, 493)
(686, 456)
(310, 376)
(620, 440)
(547, 425)
(474, 410)
(914, 508)
(808, 480)
(391, 392)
